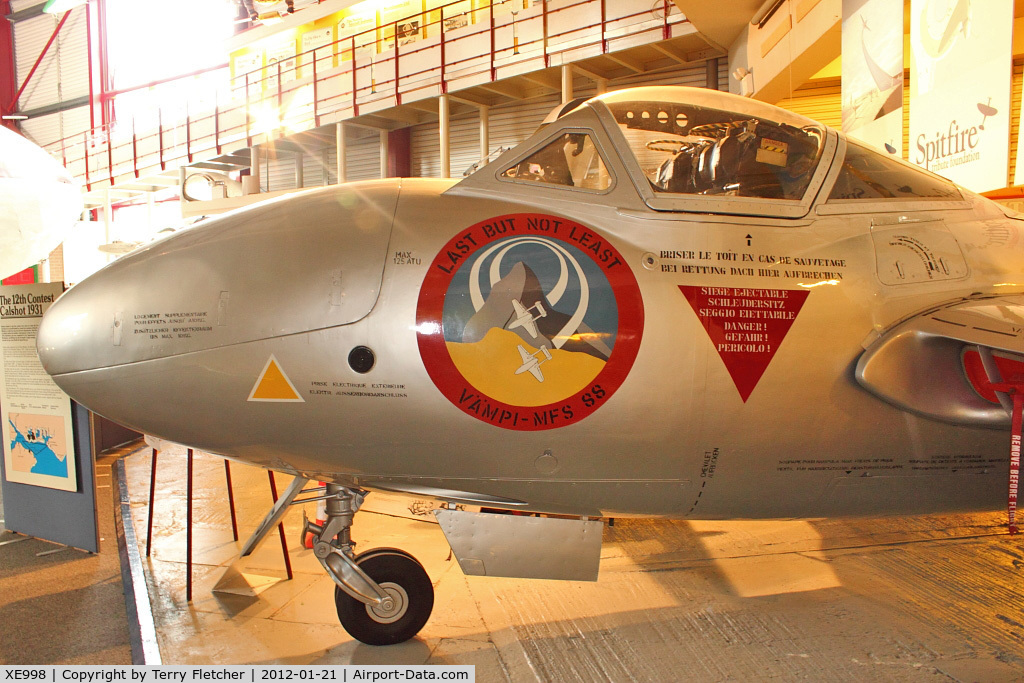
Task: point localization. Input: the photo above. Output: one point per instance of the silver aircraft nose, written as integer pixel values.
(303, 262)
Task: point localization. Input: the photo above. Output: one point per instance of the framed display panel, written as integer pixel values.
(48, 477)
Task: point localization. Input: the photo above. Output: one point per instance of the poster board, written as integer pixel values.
(872, 98)
(35, 415)
(47, 470)
(960, 90)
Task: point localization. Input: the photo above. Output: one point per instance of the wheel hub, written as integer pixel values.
(393, 607)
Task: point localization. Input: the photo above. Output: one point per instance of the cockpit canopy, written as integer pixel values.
(691, 149)
(698, 150)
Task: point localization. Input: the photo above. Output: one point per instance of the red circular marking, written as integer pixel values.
(448, 379)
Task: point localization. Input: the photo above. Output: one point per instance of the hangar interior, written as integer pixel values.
(317, 92)
(262, 104)
(250, 99)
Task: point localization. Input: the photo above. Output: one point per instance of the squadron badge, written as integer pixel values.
(529, 321)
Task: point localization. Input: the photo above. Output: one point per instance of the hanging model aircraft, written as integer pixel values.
(747, 314)
(887, 94)
(40, 203)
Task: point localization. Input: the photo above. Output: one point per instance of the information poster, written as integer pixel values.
(38, 441)
(244, 68)
(960, 89)
(281, 60)
(360, 27)
(399, 18)
(873, 73)
(312, 41)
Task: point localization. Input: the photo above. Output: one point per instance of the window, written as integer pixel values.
(572, 160)
(867, 174)
(693, 150)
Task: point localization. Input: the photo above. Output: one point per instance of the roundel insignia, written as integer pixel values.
(529, 321)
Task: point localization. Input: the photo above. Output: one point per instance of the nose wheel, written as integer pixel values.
(383, 596)
(398, 617)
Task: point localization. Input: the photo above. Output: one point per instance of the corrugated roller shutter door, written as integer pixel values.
(693, 76)
(30, 38)
(45, 130)
(1015, 103)
(362, 158)
(64, 72)
(906, 114)
(821, 101)
(318, 168)
(510, 124)
(277, 174)
(74, 56)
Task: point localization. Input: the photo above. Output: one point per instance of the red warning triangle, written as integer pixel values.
(746, 325)
(274, 385)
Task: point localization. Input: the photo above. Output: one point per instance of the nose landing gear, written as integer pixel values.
(383, 596)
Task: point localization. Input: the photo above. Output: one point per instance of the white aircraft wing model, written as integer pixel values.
(39, 201)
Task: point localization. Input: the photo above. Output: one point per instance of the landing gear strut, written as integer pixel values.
(383, 596)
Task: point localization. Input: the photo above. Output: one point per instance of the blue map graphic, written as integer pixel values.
(37, 443)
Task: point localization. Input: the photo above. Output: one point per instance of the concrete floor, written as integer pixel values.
(59, 605)
(917, 599)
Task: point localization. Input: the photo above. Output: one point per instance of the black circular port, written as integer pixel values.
(361, 359)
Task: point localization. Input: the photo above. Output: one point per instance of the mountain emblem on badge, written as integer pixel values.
(529, 321)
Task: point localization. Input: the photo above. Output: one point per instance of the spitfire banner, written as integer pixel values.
(873, 73)
(960, 89)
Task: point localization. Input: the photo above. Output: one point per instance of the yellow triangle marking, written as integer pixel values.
(274, 385)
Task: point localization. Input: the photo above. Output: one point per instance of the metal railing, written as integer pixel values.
(417, 57)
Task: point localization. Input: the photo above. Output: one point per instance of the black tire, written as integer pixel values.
(399, 574)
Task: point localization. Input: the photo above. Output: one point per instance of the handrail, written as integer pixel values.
(308, 89)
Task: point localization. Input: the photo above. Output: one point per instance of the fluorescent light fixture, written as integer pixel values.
(270, 18)
(14, 117)
(61, 6)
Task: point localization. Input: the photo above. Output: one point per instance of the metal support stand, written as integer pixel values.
(280, 528)
(152, 491)
(275, 515)
(188, 533)
(188, 518)
(231, 499)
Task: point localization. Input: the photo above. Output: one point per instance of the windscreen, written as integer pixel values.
(693, 150)
(870, 175)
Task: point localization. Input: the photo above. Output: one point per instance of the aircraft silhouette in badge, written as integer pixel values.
(525, 319)
(532, 363)
(755, 317)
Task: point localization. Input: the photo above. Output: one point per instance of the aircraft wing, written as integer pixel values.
(940, 364)
(525, 355)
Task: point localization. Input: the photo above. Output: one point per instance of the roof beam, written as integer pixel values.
(469, 100)
(504, 89)
(428, 106)
(592, 75)
(544, 79)
(401, 115)
(669, 52)
(631, 64)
